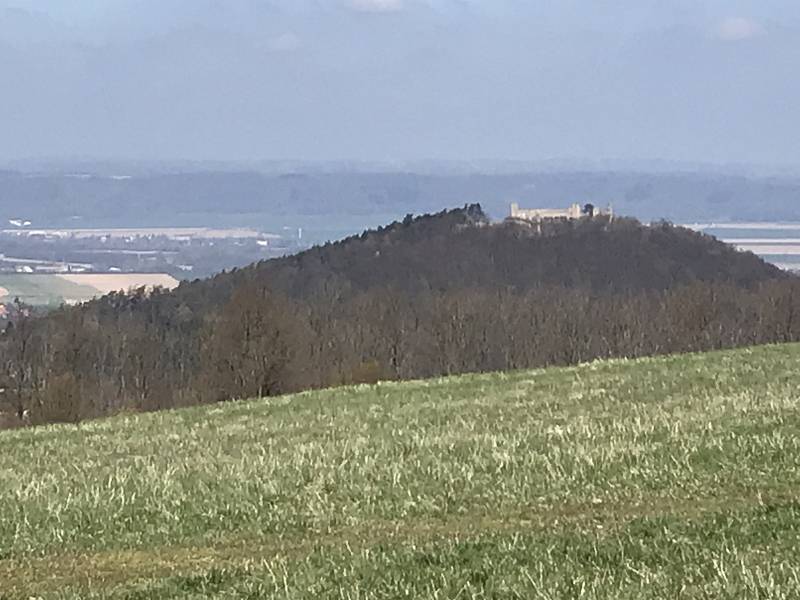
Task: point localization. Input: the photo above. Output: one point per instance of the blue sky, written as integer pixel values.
(686, 80)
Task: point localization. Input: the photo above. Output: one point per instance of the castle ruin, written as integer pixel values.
(575, 211)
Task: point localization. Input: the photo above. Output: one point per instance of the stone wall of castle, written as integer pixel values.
(537, 214)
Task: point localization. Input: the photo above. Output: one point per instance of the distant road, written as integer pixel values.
(760, 241)
(34, 261)
(170, 232)
(754, 225)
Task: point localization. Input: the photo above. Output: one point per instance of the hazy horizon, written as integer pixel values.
(680, 81)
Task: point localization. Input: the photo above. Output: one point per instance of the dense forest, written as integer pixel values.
(439, 294)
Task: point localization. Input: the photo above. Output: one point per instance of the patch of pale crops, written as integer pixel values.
(628, 479)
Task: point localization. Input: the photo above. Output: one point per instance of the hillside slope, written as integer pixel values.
(654, 478)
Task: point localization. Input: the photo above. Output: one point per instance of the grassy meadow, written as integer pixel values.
(674, 477)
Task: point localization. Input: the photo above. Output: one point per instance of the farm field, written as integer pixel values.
(71, 288)
(105, 283)
(674, 477)
(42, 290)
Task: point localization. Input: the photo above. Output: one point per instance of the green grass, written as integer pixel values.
(43, 289)
(673, 477)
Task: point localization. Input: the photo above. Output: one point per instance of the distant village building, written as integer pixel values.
(575, 211)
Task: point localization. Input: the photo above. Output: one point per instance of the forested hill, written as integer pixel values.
(441, 294)
(461, 249)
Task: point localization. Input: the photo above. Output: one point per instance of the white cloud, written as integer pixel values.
(288, 42)
(376, 5)
(735, 29)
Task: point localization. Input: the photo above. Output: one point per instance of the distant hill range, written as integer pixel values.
(440, 294)
(333, 203)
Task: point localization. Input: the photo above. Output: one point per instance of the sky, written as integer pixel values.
(706, 81)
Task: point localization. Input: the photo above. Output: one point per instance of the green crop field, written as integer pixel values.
(673, 477)
(43, 290)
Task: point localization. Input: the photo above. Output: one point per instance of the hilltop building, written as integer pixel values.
(575, 211)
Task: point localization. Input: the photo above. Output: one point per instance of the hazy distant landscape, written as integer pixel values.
(776, 242)
(332, 203)
(314, 203)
